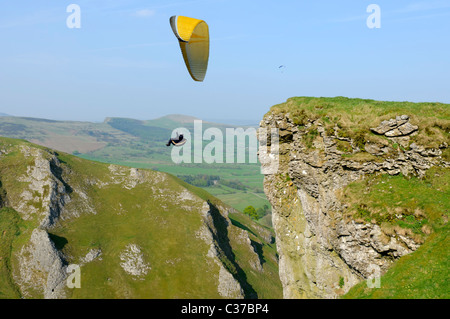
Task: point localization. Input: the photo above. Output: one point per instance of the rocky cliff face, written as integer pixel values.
(323, 252)
(40, 266)
(133, 233)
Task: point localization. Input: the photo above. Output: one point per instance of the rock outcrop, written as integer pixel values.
(42, 267)
(46, 194)
(322, 253)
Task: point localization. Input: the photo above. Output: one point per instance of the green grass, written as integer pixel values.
(12, 228)
(353, 118)
(414, 204)
(247, 174)
(240, 200)
(155, 231)
(332, 108)
(162, 229)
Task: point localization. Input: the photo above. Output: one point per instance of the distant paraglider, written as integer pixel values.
(193, 37)
(281, 68)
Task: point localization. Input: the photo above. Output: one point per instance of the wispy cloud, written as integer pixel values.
(231, 37)
(421, 10)
(425, 6)
(31, 18)
(151, 11)
(411, 10)
(119, 62)
(132, 46)
(40, 59)
(179, 3)
(424, 16)
(144, 13)
(350, 18)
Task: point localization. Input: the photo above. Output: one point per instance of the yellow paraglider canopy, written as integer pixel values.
(193, 36)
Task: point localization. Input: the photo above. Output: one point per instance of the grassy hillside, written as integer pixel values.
(111, 210)
(139, 144)
(11, 225)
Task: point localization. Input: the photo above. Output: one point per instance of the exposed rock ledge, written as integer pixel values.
(318, 249)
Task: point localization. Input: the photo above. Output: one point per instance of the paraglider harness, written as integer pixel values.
(177, 141)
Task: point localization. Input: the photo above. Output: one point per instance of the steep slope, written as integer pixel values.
(354, 191)
(131, 233)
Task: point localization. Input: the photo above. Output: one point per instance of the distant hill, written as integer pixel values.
(65, 136)
(173, 119)
(117, 139)
(237, 122)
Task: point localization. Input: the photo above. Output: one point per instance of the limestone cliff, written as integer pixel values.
(323, 249)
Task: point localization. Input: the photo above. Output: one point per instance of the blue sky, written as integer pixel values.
(124, 61)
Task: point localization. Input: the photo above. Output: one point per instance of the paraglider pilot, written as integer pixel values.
(177, 141)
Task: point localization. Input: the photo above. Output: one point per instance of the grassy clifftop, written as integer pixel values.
(355, 117)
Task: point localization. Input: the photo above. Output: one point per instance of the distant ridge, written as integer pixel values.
(36, 119)
(179, 118)
(234, 122)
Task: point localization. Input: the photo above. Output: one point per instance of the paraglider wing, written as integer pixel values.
(193, 36)
(180, 143)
